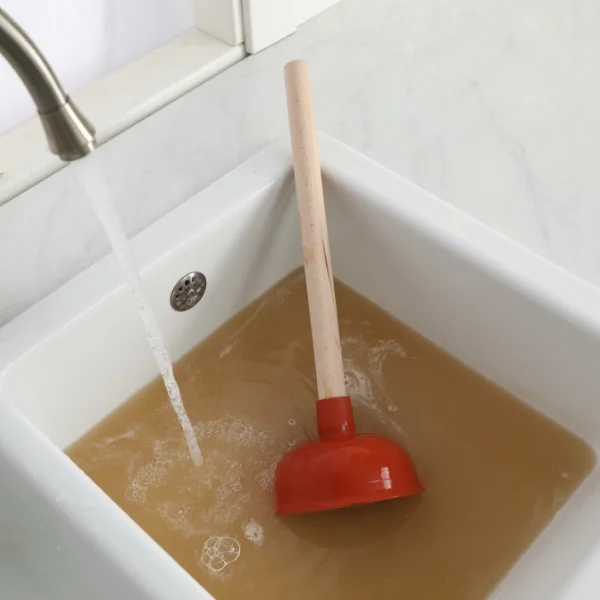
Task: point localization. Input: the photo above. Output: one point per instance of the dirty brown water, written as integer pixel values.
(496, 472)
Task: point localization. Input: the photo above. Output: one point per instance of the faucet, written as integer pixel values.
(70, 135)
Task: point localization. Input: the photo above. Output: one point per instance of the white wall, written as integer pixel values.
(86, 39)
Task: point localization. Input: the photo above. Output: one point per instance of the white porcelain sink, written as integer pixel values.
(81, 352)
(43, 553)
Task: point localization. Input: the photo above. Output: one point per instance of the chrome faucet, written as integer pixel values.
(69, 133)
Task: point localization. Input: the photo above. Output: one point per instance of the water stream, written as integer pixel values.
(97, 191)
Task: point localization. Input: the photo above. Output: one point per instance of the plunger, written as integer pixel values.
(341, 468)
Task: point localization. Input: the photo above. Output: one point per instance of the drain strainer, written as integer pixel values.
(188, 291)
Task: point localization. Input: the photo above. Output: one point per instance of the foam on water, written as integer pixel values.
(365, 386)
(179, 519)
(97, 191)
(239, 462)
(152, 474)
(380, 352)
(254, 532)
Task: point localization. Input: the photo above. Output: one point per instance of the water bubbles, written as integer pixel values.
(218, 552)
(364, 382)
(150, 475)
(254, 532)
(266, 478)
(177, 518)
(233, 432)
(358, 383)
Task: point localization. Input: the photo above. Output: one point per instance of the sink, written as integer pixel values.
(77, 355)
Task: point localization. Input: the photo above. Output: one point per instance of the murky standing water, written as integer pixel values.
(495, 471)
(97, 191)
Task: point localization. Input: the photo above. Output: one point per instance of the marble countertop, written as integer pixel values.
(492, 106)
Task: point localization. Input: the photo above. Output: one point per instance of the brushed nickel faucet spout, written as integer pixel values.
(70, 135)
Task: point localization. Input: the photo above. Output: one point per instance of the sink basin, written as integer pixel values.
(76, 356)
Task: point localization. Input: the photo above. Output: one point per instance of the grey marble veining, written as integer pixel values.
(492, 106)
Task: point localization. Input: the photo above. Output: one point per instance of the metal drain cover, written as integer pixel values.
(188, 291)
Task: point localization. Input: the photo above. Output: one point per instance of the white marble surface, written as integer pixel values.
(492, 106)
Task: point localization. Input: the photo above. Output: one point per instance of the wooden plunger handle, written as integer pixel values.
(315, 240)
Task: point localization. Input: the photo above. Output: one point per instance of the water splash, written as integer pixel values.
(97, 191)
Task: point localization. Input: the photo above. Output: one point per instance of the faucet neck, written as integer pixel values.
(69, 133)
